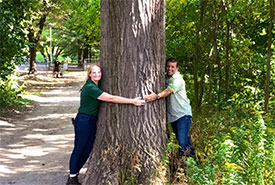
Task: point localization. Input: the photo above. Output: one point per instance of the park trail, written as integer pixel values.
(36, 143)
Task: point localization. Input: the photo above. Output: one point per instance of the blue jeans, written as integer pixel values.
(85, 131)
(181, 128)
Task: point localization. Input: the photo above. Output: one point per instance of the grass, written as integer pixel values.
(40, 58)
(32, 93)
(17, 106)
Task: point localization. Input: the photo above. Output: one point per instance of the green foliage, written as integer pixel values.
(234, 140)
(201, 175)
(248, 97)
(181, 17)
(237, 147)
(12, 35)
(130, 181)
(170, 169)
(199, 27)
(13, 42)
(80, 27)
(10, 92)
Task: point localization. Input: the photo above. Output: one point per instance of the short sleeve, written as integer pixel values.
(94, 91)
(175, 84)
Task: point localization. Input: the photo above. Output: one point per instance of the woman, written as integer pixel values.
(85, 122)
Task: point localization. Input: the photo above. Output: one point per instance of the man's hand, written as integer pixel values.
(151, 97)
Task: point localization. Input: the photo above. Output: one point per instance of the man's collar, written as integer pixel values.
(174, 75)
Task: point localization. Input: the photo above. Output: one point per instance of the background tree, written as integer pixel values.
(230, 70)
(229, 40)
(37, 18)
(268, 65)
(12, 34)
(13, 42)
(82, 24)
(130, 140)
(226, 54)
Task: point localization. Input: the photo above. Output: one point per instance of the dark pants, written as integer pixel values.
(181, 128)
(85, 131)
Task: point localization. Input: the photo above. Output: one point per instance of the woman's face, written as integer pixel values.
(95, 74)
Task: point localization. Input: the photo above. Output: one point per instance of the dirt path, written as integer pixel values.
(35, 144)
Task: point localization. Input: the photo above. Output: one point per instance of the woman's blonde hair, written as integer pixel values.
(89, 70)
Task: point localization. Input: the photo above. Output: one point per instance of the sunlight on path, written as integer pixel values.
(35, 145)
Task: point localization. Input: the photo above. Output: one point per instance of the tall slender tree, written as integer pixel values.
(197, 53)
(227, 47)
(268, 65)
(130, 140)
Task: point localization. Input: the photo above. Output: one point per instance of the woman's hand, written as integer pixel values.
(118, 99)
(138, 101)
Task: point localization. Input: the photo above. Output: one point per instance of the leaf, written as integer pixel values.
(270, 130)
(233, 166)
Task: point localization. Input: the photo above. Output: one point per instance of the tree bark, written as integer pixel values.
(227, 50)
(197, 54)
(227, 60)
(80, 57)
(267, 80)
(130, 140)
(216, 21)
(32, 67)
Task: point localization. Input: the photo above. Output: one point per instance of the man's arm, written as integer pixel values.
(153, 96)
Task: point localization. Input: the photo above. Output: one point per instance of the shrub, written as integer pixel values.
(10, 91)
(237, 149)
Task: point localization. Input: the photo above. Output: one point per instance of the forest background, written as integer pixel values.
(226, 53)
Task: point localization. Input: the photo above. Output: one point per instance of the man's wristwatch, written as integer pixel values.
(158, 97)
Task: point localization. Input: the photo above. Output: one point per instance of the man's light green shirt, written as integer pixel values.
(178, 105)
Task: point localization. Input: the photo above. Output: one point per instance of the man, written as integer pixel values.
(179, 112)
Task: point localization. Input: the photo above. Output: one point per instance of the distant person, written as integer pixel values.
(56, 69)
(62, 63)
(45, 60)
(85, 121)
(179, 112)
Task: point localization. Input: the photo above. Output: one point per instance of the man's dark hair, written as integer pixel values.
(173, 60)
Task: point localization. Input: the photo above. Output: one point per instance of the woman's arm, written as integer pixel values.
(118, 99)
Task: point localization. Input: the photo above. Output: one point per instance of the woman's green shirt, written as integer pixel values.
(89, 104)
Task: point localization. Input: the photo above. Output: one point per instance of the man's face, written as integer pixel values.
(171, 68)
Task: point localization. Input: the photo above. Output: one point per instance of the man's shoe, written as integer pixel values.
(73, 181)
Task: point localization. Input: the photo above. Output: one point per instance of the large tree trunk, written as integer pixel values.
(267, 80)
(130, 140)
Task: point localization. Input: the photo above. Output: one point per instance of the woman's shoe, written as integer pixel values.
(73, 181)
